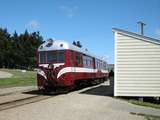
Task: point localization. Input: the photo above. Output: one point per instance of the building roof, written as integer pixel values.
(138, 36)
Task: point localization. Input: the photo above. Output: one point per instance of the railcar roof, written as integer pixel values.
(50, 45)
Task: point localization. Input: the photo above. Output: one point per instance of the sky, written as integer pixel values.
(89, 21)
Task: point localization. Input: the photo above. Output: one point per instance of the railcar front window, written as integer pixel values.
(42, 58)
(51, 56)
(61, 56)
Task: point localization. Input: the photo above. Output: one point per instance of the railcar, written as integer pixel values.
(61, 64)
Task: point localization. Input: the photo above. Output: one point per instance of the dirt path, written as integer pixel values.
(5, 74)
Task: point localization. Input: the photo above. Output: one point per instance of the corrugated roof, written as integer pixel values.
(135, 35)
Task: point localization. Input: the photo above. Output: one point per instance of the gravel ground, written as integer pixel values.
(12, 90)
(13, 97)
(93, 103)
(68, 107)
(5, 74)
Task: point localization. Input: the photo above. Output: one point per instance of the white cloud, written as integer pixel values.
(69, 11)
(33, 24)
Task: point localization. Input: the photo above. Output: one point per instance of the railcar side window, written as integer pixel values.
(84, 61)
(78, 59)
(61, 56)
(87, 61)
(71, 57)
(42, 58)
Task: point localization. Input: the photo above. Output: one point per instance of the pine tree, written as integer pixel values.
(4, 47)
(19, 51)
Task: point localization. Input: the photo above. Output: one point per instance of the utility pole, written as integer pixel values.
(142, 24)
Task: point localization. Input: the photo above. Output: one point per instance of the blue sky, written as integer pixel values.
(89, 21)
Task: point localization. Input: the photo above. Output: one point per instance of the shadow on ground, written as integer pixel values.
(33, 92)
(102, 90)
(47, 93)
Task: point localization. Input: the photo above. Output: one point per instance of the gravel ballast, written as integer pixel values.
(93, 103)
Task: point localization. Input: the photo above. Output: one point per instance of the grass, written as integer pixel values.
(146, 104)
(147, 117)
(19, 78)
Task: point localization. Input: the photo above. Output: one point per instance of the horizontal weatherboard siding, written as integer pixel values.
(137, 65)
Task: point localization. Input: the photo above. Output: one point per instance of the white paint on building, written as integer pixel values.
(137, 65)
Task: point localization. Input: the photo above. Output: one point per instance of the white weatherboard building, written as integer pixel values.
(137, 65)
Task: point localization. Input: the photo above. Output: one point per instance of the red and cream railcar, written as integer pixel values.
(62, 65)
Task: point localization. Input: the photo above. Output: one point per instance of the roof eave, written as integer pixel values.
(135, 35)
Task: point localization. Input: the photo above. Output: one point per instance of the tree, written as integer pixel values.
(29, 44)
(15, 53)
(19, 50)
(4, 47)
(36, 39)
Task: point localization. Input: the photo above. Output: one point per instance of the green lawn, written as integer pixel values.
(151, 117)
(147, 104)
(18, 79)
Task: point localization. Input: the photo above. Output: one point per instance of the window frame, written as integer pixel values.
(39, 57)
(80, 63)
(56, 52)
(71, 58)
(58, 60)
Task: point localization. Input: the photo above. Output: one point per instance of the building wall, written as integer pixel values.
(137, 67)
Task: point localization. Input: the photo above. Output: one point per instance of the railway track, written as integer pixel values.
(23, 101)
(39, 96)
(36, 98)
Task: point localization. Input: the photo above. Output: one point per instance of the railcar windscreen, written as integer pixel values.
(42, 57)
(60, 56)
(52, 56)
